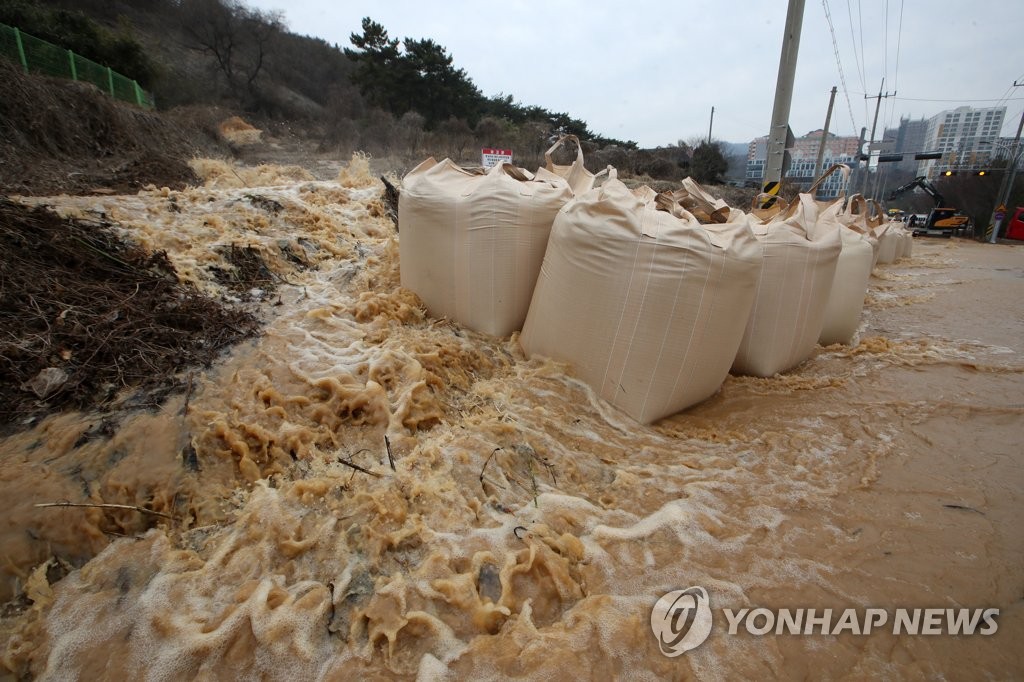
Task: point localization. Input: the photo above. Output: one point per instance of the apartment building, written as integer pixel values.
(803, 156)
(967, 137)
(908, 139)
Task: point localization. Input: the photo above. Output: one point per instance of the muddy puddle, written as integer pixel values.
(363, 491)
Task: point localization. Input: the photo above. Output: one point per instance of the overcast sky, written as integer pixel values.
(651, 71)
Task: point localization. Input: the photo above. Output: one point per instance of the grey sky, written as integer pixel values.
(651, 71)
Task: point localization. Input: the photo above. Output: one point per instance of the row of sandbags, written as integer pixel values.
(653, 298)
(895, 241)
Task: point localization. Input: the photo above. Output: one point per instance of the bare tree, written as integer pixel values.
(490, 131)
(238, 38)
(456, 136)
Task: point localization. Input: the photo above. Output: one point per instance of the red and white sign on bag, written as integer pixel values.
(492, 157)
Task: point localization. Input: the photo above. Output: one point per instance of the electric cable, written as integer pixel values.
(839, 64)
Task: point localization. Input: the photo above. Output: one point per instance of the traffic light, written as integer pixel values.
(981, 172)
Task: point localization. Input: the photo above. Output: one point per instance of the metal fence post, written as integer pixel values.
(110, 81)
(21, 49)
(74, 69)
(138, 92)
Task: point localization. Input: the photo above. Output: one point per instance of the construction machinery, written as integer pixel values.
(942, 221)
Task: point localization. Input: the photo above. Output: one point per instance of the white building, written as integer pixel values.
(803, 156)
(967, 137)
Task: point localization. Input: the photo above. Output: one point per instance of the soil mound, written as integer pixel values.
(86, 315)
(237, 131)
(66, 137)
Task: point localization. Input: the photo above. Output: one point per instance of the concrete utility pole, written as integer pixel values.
(858, 172)
(711, 124)
(824, 134)
(1008, 177)
(878, 105)
(878, 182)
(783, 99)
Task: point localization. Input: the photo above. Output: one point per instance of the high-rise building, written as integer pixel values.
(757, 153)
(967, 138)
(908, 139)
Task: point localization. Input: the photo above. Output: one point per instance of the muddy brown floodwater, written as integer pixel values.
(525, 528)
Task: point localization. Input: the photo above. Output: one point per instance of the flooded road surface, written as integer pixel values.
(367, 492)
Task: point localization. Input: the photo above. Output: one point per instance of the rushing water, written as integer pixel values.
(525, 528)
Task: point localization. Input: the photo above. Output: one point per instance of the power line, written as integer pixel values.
(1006, 97)
(920, 99)
(1007, 93)
(857, 62)
(885, 45)
(853, 40)
(839, 64)
(899, 43)
(863, 56)
(890, 107)
(1016, 115)
(896, 70)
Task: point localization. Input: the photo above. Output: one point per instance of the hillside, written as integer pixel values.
(404, 100)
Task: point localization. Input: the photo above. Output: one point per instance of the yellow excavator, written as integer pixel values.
(942, 221)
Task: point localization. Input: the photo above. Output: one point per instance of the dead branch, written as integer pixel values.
(130, 507)
(356, 466)
(188, 394)
(484, 467)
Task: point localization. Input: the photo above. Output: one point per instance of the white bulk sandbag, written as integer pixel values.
(576, 174)
(900, 240)
(885, 232)
(703, 205)
(647, 306)
(471, 244)
(857, 218)
(906, 246)
(792, 291)
(888, 242)
(908, 243)
(853, 270)
(875, 248)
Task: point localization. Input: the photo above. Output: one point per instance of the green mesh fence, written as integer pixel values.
(39, 56)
